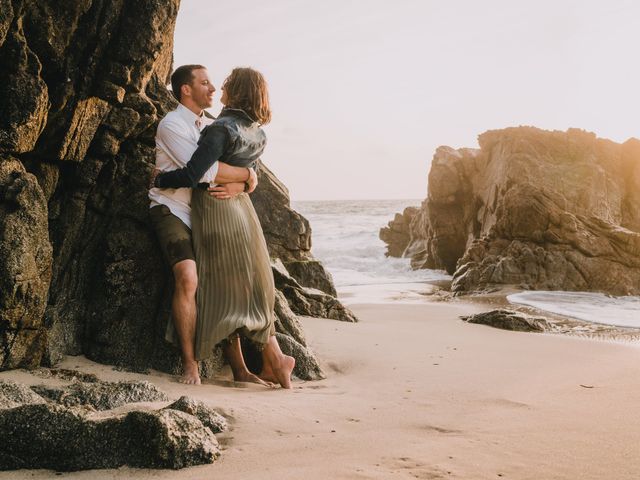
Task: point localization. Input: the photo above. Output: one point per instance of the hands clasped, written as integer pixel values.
(230, 190)
(221, 191)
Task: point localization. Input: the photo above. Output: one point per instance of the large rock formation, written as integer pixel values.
(397, 234)
(535, 209)
(82, 87)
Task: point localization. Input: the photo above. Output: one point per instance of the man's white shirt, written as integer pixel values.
(176, 140)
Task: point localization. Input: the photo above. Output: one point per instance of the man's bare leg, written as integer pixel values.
(184, 317)
(233, 354)
(276, 366)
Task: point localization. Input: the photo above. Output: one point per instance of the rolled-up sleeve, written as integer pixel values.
(211, 146)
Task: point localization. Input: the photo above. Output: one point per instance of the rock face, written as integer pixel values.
(535, 209)
(25, 268)
(397, 234)
(510, 320)
(82, 88)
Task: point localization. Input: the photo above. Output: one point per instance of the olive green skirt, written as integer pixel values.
(236, 293)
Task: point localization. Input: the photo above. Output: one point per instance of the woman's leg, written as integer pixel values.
(233, 354)
(276, 366)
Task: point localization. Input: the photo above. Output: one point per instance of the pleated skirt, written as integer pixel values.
(236, 293)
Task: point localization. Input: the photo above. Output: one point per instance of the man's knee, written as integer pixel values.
(186, 277)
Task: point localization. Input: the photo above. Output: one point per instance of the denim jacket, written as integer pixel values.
(246, 139)
(234, 138)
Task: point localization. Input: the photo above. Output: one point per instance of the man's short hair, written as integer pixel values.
(183, 75)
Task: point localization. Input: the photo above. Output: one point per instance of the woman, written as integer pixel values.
(235, 293)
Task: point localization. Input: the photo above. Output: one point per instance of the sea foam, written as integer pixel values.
(587, 306)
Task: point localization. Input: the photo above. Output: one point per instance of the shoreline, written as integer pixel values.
(437, 291)
(412, 391)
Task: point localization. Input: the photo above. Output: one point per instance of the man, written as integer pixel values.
(176, 140)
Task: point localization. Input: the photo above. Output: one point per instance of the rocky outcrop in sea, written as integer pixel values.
(82, 88)
(397, 234)
(534, 209)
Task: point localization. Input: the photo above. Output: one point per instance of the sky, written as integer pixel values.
(364, 91)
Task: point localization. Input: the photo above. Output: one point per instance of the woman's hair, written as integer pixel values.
(246, 89)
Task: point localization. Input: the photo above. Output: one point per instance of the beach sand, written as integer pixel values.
(414, 392)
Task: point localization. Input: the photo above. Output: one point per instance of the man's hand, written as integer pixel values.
(226, 191)
(152, 179)
(252, 181)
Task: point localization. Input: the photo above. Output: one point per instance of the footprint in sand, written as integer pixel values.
(444, 431)
(417, 468)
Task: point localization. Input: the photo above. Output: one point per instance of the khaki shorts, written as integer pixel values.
(173, 234)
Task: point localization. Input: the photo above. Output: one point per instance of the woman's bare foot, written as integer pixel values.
(191, 375)
(276, 366)
(279, 371)
(249, 377)
(267, 375)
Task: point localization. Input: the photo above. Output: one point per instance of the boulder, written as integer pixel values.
(308, 301)
(209, 417)
(101, 395)
(306, 367)
(510, 320)
(312, 274)
(534, 209)
(66, 439)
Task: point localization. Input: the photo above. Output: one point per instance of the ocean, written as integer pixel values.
(345, 239)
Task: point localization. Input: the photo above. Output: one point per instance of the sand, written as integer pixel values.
(413, 392)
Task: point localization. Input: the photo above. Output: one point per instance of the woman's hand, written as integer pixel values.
(226, 191)
(252, 181)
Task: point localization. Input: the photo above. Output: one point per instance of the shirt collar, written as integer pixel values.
(188, 115)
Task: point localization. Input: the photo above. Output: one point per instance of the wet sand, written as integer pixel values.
(413, 392)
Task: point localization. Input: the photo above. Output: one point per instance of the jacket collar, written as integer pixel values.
(236, 112)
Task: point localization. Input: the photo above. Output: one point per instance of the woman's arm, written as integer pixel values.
(211, 146)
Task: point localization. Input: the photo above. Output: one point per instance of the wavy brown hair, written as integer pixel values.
(246, 89)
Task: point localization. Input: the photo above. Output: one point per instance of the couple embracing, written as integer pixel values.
(208, 228)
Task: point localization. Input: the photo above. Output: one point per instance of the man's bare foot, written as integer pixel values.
(191, 375)
(249, 377)
(281, 372)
